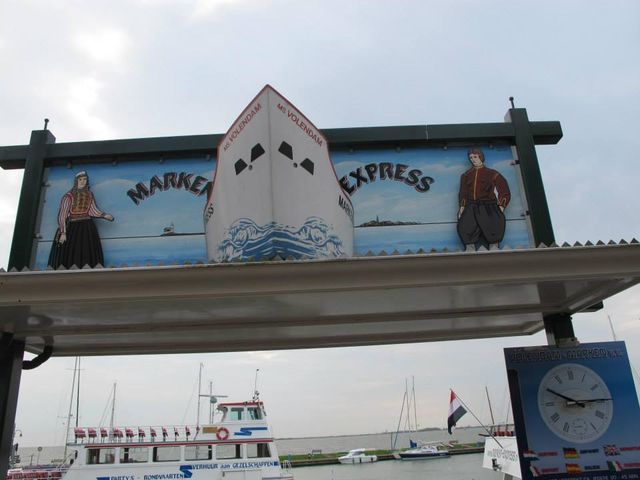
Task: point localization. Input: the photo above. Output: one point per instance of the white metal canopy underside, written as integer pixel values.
(309, 304)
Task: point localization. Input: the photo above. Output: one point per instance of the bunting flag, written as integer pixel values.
(573, 468)
(456, 411)
(614, 466)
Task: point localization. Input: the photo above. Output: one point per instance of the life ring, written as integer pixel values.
(222, 433)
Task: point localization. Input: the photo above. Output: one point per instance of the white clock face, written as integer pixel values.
(575, 403)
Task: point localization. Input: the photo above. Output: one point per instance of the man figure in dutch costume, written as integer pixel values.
(484, 195)
(76, 241)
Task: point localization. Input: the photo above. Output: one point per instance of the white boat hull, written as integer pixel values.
(423, 456)
(358, 460)
(240, 447)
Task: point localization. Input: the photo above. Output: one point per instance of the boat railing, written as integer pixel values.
(166, 433)
(36, 473)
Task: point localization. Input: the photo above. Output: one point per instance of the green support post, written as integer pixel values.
(11, 353)
(531, 176)
(24, 231)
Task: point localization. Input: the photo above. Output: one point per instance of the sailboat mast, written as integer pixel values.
(613, 332)
(415, 413)
(493, 422)
(78, 396)
(73, 389)
(407, 423)
(210, 404)
(199, 393)
(113, 407)
(404, 399)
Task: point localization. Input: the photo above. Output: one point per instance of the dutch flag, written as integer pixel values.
(456, 411)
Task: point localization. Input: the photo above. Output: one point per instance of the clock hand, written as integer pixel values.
(596, 400)
(570, 401)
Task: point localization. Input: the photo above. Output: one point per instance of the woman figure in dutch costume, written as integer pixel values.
(77, 241)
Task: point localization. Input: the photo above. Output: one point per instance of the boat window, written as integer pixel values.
(228, 450)
(98, 456)
(254, 413)
(198, 452)
(134, 454)
(236, 413)
(258, 450)
(166, 454)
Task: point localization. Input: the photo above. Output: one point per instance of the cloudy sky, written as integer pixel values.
(145, 68)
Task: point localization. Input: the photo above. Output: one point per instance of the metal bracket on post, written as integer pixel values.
(41, 358)
(559, 330)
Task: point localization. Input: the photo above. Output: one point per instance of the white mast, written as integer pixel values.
(78, 396)
(113, 407)
(210, 402)
(613, 332)
(73, 388)
(493, 421)
(415, 413)
(199, 393)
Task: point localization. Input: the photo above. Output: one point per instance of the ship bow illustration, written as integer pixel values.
(275, 191)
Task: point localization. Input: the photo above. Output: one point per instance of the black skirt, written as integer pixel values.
(82, 246)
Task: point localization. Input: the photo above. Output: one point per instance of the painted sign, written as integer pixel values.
(434, 198)
(278, 193)
(275, 191)
(501, 455)
(580, 411)
(156, 208)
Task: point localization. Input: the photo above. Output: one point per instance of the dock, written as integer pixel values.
(332, 458)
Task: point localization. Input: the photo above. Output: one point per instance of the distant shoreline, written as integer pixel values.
(428, 429)
(386, 223)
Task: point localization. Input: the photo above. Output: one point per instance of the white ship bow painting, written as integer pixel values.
(275, 191)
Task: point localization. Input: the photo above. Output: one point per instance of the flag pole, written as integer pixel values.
(474, 416)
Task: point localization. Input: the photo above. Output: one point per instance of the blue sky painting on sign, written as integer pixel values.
(166, 226)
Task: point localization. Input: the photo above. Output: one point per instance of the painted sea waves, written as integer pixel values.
(245, 239)
(191, 248)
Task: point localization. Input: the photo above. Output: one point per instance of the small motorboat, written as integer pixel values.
(423, 452)
(359, 455)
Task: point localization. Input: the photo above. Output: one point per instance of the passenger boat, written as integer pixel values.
(239, 446)
(424, 451)
(358, 455)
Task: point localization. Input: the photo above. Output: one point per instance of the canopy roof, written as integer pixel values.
(310, 304)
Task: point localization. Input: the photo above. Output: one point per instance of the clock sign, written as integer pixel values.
(575, 411)
(575, 403)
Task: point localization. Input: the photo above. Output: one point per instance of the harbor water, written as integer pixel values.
(378, 441)
(457, 467)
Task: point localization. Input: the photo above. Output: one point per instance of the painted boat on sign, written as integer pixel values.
(357, 456)
(275, 190)
(239, 446)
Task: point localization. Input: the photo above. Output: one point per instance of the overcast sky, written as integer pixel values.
(146, 68)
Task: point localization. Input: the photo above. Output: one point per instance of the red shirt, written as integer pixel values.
(479, 185)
